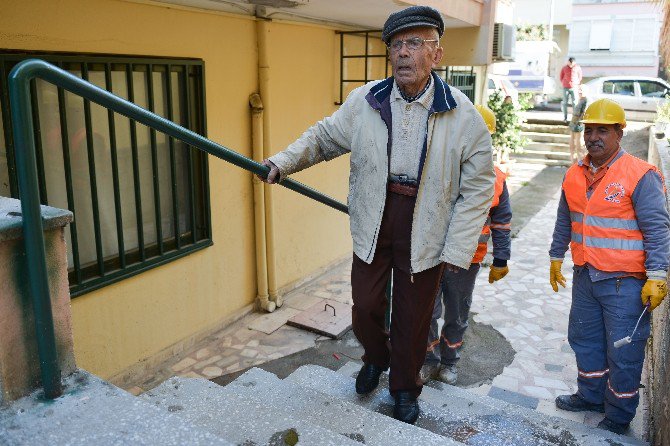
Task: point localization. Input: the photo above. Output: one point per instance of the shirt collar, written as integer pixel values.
(426, 99)
(586, 162)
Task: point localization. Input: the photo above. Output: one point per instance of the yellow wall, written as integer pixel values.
(124, 323)
(304, 72)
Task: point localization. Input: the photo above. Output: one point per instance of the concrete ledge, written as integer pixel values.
(19, 361)
(11, 220)
(658, 348)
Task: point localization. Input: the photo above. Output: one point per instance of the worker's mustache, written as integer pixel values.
(595, 144)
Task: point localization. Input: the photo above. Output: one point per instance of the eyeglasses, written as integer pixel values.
(413, 43)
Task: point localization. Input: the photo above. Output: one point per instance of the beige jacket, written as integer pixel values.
(456, 187)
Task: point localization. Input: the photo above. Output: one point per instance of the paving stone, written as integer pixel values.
(268, 323)
(506, 382)
(212, 372)
(553, 367)
(513, 397)
(550, 383)
(202, 353)
(538, 392)
(181, 365)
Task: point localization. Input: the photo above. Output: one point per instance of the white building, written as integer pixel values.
(615, 37)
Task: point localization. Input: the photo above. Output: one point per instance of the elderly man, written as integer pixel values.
(613, 213)
(420, 186)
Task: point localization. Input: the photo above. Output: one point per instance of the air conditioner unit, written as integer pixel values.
(504, 36)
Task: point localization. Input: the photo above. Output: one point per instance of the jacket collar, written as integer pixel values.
(442, 102)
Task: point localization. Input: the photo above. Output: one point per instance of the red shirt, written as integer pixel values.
(571, 77)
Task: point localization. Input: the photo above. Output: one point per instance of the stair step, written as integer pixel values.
(94, 412)
(546, 137)
(478, 425)
(470, 406)
(547, 122)
(530, 159)
(546, 153)
(329, 412)
(548, 146)
(561, 129)
(234, 416)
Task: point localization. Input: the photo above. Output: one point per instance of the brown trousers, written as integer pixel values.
(412, 303)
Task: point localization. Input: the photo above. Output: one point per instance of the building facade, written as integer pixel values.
(616, 37)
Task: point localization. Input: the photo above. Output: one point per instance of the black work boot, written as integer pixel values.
(368, 378)
(611, 426)
(406, 407)
(575, 403)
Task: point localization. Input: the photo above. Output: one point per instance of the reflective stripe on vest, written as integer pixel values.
(482, 243)
(605, 232)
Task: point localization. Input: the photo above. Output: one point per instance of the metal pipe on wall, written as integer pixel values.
(262, 296)
(262, 30)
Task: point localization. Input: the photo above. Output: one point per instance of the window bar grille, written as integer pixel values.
(136, 167)
(115, 171)
(189, 151)
(92, 177)
(7, 127)
(37, 132)
(173, 164)
(365, 56)
(341, 69)
(204, 161)
(67, 167)
(154, 162)
(367, 40)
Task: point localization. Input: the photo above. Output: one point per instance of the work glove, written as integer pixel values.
(555, 275)
(497, 272)
(653, 292)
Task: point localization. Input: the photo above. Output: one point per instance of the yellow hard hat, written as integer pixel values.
(489, 117)
(604, 111)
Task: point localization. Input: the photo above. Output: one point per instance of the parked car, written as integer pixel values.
(497, 82)
(638, 95)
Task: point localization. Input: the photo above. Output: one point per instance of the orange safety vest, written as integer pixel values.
(605, 233)
(482, 245)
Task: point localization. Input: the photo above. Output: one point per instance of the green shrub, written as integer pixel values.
(663, 112)
(508, 123)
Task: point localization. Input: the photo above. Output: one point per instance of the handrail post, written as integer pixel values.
(22, 125)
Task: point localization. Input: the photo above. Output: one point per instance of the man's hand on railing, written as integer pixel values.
(273, 175)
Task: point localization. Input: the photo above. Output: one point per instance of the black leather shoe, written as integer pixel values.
(611, 426)
(406, 407)
(368, 378)
(575, 403)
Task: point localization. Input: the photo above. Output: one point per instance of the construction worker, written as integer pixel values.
(613, 214)
(456, 289)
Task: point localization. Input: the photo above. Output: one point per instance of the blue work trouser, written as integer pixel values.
(456, 293)
(568, 93)
(603, 312)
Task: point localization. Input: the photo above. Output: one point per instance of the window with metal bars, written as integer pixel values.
(364, 57)
(139, 197)
(462, 77)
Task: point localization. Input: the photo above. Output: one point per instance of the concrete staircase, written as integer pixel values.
(549, 143)
(312, 406)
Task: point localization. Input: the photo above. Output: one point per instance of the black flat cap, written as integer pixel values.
(412, 17)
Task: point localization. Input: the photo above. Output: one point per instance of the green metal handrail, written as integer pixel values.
(26, 166)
